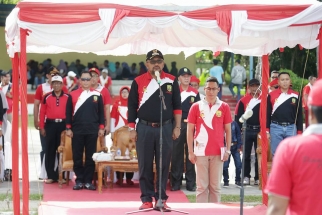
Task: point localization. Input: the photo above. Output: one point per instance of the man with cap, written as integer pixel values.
(189, 95)
(6, 87)
(40, 92)
(107, 101)
(218, 72)
(194, 82)
(105, 80)
(284, 112)
(84, 123)
(70, 81)
(144, 105)
(273, 85)
(293, 184)
(305, 94)
(250, 102)
(52, 123)
(238, 76)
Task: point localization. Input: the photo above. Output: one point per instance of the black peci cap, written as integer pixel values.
(253, 81)
(185, 71)
(153, 53)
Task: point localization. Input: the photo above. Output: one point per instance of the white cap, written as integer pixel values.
(105, 71)
(71, 74)
(56, 78)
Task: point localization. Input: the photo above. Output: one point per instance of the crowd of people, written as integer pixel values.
(199, 133)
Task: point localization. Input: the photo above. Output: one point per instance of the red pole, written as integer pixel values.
(15, 136)
(320, 55)
(263, 111)
(24, 122)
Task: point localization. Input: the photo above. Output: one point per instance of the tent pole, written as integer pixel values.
(263, 110)
(319, 55)
(15, 136)
(24, 122)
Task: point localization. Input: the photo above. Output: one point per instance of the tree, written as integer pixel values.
(9, 1)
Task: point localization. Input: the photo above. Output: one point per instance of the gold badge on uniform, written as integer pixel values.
(293, 100)
(95, 98)
(218, 113)
(192, 99)
(169, 88)
(276, 100)
(144, 89)
(202, 114)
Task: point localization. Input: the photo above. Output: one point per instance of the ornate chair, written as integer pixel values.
(66, 162)
(259, 158)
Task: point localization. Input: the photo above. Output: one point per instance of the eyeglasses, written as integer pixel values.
(85, 79)
(212, 89)
(57, 83)
(194, 85)
(276, 87)
(156, 61)
(274, 77)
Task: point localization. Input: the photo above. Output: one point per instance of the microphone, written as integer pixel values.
(157, 74)
(246, 116)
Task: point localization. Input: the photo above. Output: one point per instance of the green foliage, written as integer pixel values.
(9, 1)
(225, 198)
(297, 82)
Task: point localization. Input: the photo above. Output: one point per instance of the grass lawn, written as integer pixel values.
(35, 197)
(230, 198)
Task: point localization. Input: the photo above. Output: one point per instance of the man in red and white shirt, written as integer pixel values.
(293, 184)
(105, 95)
(305, 95)
(208, 121)
(106, 81)
(70, 81)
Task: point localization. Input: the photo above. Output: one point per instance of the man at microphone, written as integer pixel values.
(144, 105)
(250, 102)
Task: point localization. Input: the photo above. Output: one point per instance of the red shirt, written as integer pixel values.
(52, 107)
(105, 95)
(306, 91)
(45, 88)
(297, 172)
(210, 126)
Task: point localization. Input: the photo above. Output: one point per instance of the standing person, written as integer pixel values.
(118, 120)
(235, 149)
(238, 75)
(208, 121)
(284, 112)
(174, 69)
(144, 105)
(305, 95)
(70, 81)
(297, 167)
(105, 96)
(274, 75)
(62, 68)
(84, 123)
(189, 95)
(250, 102)
(52, 123)
(273, 85)
(194, 82)
(40, 92)
(118, 71)
(6, 87)
(218, 72)
(105, 80)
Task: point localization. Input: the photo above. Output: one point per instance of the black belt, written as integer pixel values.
(55, 120)
(282, 123)
(155, 124)
(254, 127)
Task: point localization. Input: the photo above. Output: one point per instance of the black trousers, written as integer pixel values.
(84, 172)
(128, 175)
(148, 149)
(180, 148)
(251, 138)
(43, 147)
(52, 139)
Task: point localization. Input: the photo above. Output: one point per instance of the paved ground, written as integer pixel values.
(36, 186)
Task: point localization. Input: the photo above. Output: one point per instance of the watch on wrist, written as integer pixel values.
(130, 129)
(228, 152)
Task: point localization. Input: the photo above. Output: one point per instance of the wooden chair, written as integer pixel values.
(66, 163)
(259, 158)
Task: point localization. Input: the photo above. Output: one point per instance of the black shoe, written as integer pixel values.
(175, 188)
(191, 189)
(89, 186)
(238, 183)
(78, 186)
(226, 184)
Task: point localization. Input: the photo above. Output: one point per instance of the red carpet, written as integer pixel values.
(125, 193)
(120, 200)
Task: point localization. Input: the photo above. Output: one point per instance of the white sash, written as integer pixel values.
(282, 98)
(185, 95)
(83, 97)
(252, 103)
(103, 80)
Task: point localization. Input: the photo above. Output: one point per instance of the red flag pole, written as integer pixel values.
(15, 136)
(263, 111)
(320, 54)
(24, 122)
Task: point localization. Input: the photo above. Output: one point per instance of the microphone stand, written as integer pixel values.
(243, 166)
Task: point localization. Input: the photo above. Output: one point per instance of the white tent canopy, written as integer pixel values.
(121, 30)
